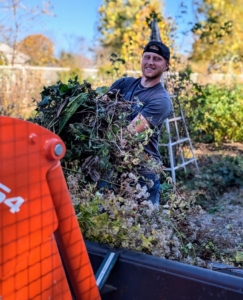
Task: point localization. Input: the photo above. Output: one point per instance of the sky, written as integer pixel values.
(77, 19)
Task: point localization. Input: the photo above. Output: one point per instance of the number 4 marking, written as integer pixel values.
(14, 203)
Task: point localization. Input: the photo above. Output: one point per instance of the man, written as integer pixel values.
(156, 105)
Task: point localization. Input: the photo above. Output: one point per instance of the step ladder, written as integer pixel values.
(180, 152)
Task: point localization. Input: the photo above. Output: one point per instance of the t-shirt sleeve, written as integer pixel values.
(118, 84)
(157, 110)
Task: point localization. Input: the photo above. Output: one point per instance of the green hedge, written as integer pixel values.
(215, 113)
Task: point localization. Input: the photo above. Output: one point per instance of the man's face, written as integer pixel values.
(153, 65)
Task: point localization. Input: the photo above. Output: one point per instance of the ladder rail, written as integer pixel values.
(187, 133)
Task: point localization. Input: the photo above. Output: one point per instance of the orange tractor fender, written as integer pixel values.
(41, 245)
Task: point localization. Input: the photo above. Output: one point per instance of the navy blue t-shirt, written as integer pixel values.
(156, 106)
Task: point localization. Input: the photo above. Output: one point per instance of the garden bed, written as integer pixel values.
(219, 191)
(187, 227)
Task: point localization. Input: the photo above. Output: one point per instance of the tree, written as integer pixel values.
(66, 59)
(16, 17)
(124, 27)
(219, 35)
(39, 48)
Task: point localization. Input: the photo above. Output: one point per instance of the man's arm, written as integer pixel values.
(151, 115)
(138, 124)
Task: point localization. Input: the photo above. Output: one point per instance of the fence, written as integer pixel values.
(216, 78)
(19, 85)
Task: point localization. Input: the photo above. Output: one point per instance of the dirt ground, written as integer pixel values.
(225, 224)
(231, 149)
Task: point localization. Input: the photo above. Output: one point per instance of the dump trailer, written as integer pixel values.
(43, 255)
(138, 276)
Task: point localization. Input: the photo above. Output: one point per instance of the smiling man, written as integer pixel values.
(156, 105)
